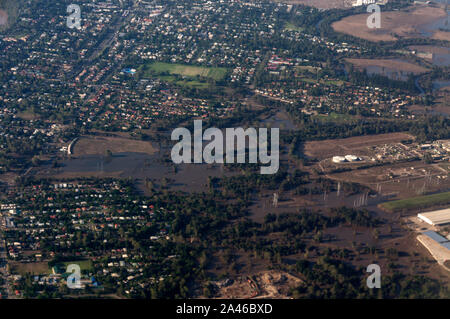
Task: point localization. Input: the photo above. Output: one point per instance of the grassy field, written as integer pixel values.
(84, 264)
(28, 115)
(42, 267)
(190, 83)
(36, 268)
(308, 68)
(335, 117)
(417, 202)
(185, 70)
(292, 27)
(326, 82)
(334, 82)
(308, 80)
(88, 145)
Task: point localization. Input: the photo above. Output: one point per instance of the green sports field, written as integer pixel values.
(185, 70)
(84, 264)
(417, 202)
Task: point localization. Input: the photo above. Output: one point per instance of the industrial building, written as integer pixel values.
(346, 158)
(444, 242)
(352, 158)
(437, 217)
(339, 159)
(359, 3)
(435, 236)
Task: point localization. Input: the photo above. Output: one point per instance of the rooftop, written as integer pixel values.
(437, 217)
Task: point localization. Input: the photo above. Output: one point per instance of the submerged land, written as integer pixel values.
(85, 139)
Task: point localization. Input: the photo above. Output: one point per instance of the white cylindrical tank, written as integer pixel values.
(352, 158)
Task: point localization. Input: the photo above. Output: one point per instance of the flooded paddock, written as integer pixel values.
(141, 166)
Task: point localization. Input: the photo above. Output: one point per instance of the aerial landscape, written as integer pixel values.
(113, 187)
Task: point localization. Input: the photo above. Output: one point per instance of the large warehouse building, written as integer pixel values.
(437, 217)
(442, 241)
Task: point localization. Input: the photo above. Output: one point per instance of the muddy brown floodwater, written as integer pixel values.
(280, 120)
(141, 166)
(294, 203)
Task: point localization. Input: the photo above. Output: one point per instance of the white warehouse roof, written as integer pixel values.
(339, 159)
(352, 158)
(437, 217)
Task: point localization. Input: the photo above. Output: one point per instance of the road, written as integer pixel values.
(114, 34)
(109, 41)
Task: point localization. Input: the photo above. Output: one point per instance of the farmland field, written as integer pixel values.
(417, 202)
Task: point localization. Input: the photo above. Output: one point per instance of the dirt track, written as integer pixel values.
(265, 285)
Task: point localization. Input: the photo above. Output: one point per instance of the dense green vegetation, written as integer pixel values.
(339, 280)
(314, 128)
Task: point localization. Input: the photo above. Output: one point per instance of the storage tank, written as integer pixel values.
(352, 158)
(339, 159)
